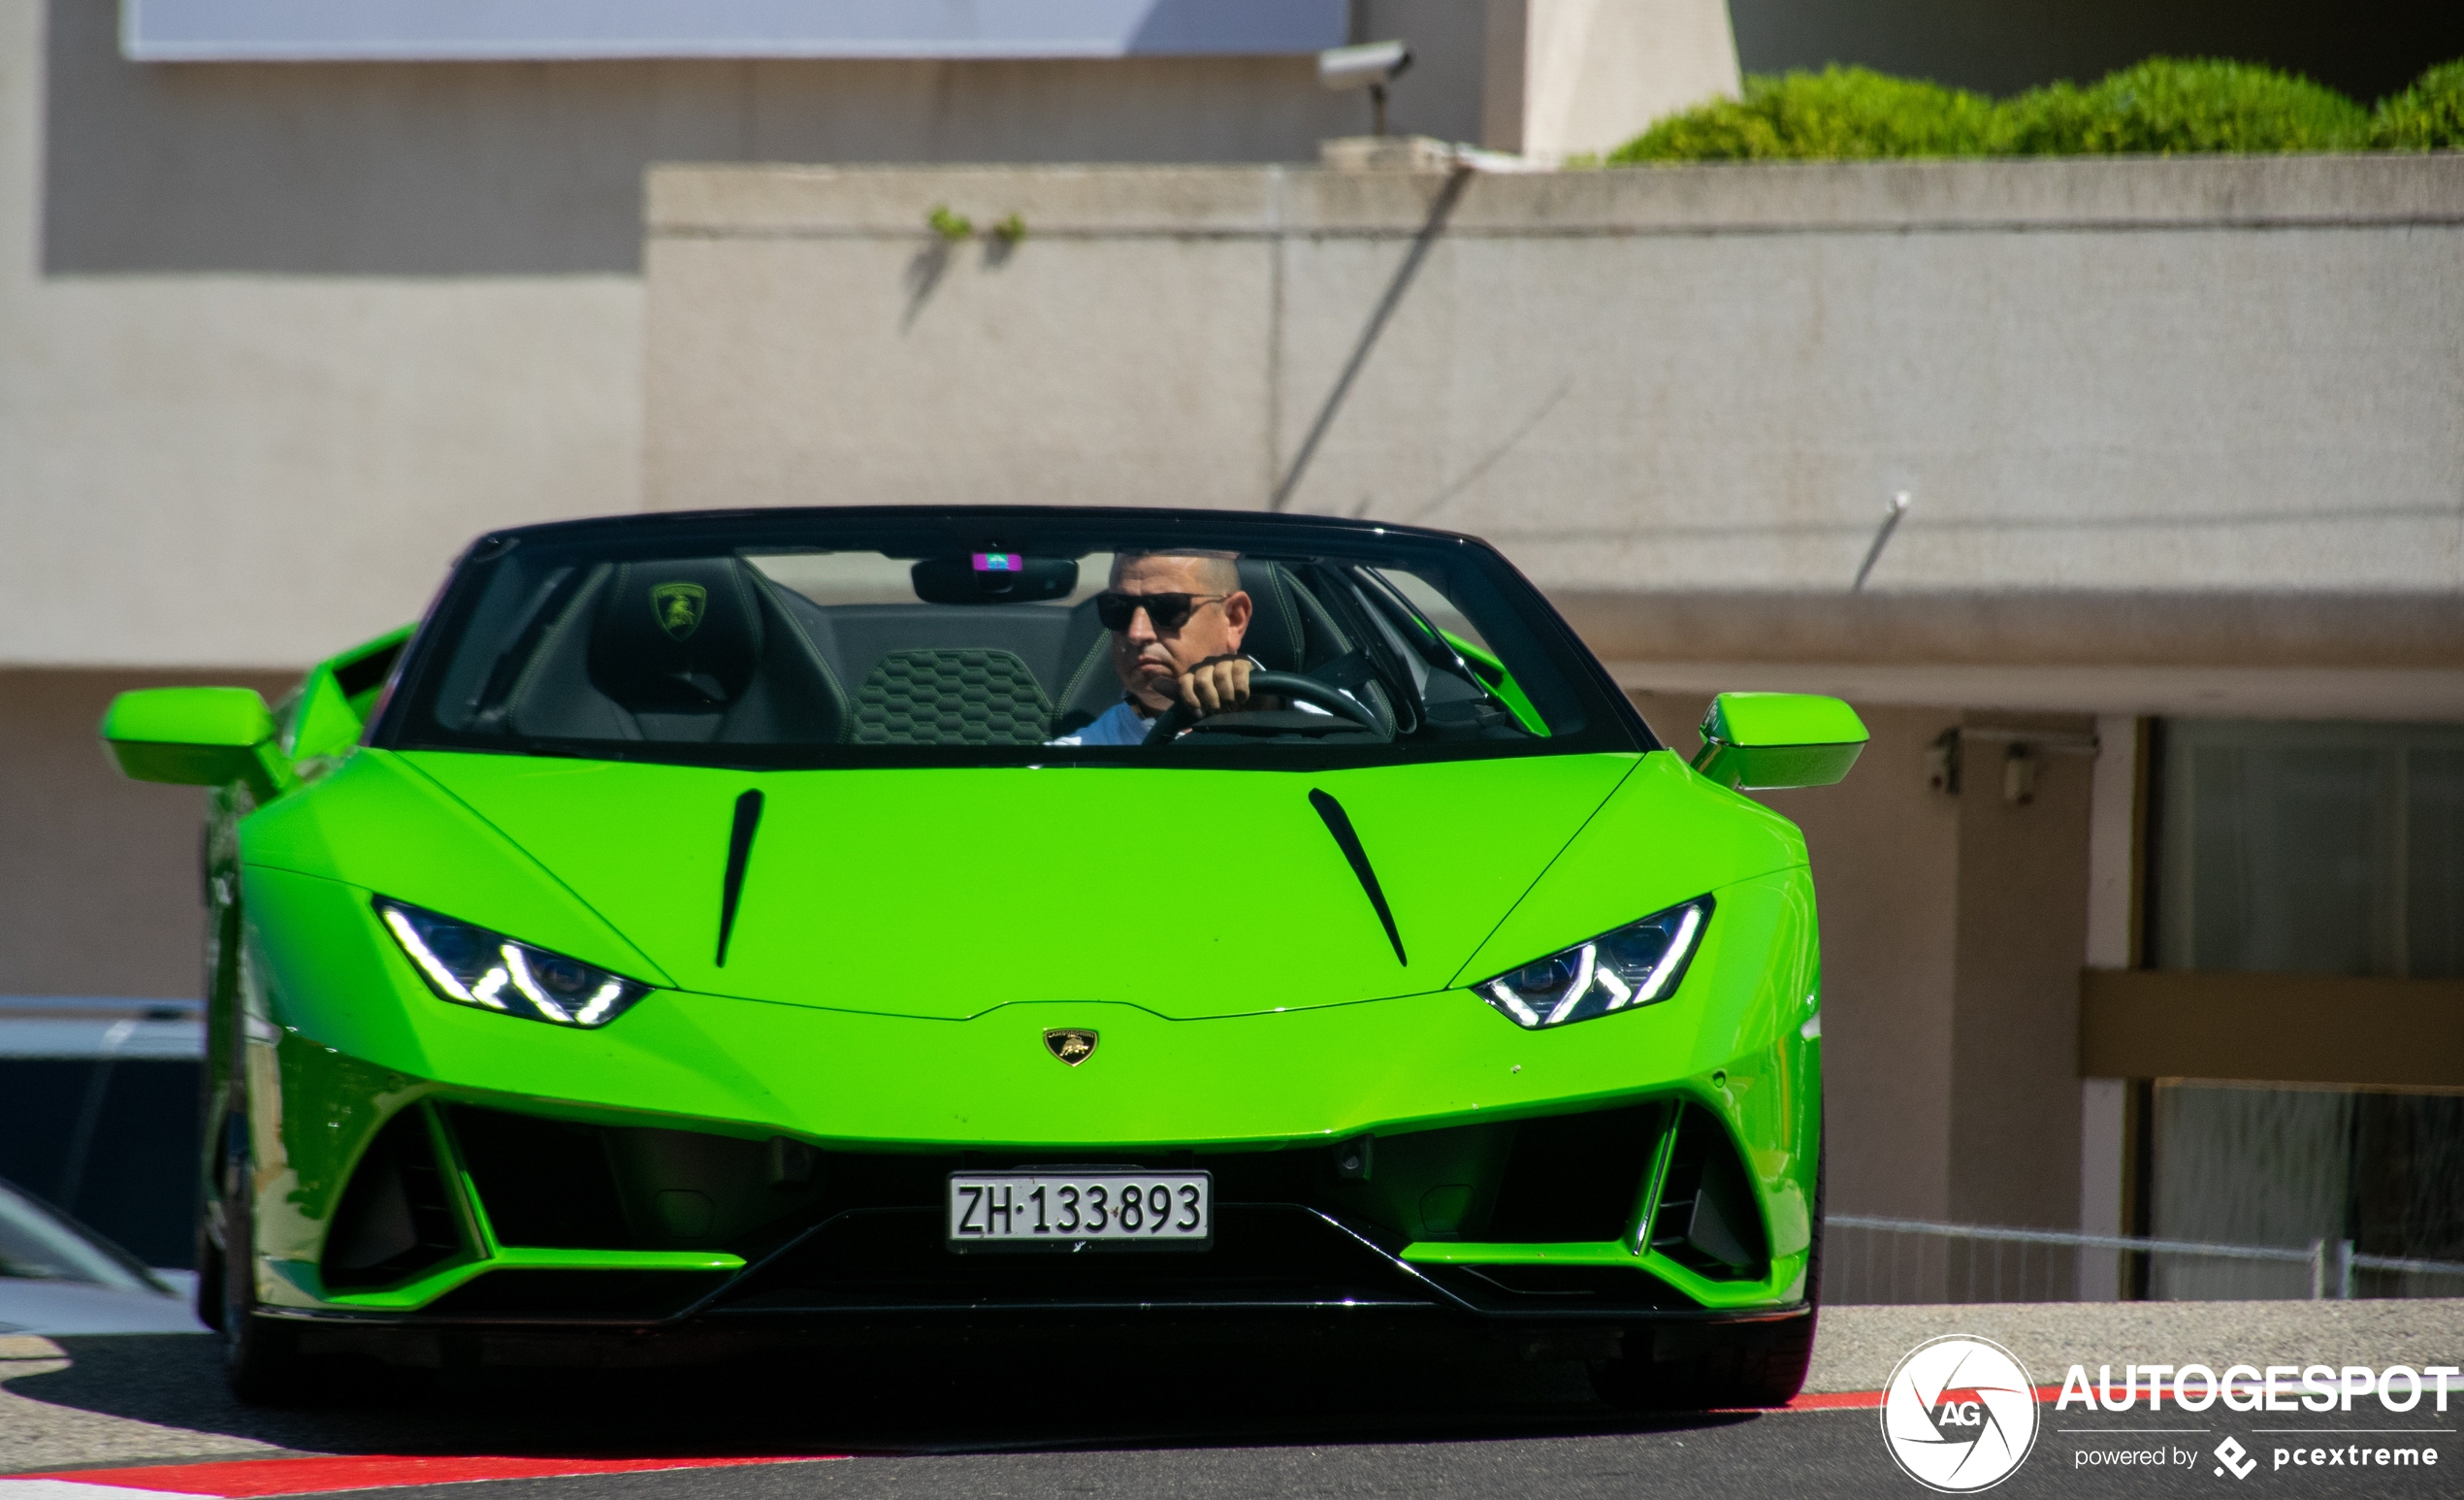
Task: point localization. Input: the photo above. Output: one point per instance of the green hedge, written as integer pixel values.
(2428, 116)
(2159, 107)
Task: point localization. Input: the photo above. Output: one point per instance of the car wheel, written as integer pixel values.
(1690, 1367)
(260, 1355)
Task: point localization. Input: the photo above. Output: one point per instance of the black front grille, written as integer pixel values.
(395, 1220)
(1265, 1254)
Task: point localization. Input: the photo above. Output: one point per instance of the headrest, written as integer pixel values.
(682, 636)
(1288, 628)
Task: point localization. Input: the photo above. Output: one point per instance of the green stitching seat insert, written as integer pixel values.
(951, 698)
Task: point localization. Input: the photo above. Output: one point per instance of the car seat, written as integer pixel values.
(691, 649)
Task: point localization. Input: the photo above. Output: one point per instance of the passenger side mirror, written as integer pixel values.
(196, 737)
(1768, 742)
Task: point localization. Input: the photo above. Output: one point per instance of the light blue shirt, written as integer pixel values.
(1123, 724)
(1119, 725)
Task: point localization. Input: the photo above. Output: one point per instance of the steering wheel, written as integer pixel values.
(1273, 684)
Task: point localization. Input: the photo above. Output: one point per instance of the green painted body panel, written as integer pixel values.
(379, 824)
(1666, 835)
(948, 892)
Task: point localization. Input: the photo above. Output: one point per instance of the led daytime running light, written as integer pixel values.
(471, 965)
(1636, 965)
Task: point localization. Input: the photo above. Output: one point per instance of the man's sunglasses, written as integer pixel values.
(1167, 611)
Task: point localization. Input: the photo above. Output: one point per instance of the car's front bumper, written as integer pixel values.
(692, 1099)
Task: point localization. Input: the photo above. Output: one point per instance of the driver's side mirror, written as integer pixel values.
(196, 737)
(1768, 741)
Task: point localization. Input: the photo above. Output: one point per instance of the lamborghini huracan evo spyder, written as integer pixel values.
(714, 930)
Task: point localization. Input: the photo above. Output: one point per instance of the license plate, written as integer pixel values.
(1068, 1210)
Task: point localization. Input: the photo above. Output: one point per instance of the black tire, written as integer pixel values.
(1694, 1366)
(260, 1355)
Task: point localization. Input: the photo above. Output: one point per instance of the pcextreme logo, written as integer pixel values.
(1960, 1414)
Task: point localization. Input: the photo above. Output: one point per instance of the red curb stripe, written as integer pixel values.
(239, 1478)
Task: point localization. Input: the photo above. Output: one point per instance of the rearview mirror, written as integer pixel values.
(1768, 742)
(196, 737)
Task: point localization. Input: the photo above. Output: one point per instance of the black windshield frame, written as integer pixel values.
(1609, 721)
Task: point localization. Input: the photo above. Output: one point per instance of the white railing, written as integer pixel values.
(1902, 1260)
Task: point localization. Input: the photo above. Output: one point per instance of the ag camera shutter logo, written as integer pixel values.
(1960, 1414)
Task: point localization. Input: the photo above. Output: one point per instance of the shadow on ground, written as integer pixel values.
(953, 1396)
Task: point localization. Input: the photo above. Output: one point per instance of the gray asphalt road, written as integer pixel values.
(1299, 1419)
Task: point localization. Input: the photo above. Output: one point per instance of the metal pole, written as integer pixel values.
(2344, 1269)
(2317, 1269)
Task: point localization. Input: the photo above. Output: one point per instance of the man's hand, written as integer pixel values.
(1220, 684)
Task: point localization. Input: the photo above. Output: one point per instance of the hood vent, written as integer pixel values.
(748, 817)
(1338, 823)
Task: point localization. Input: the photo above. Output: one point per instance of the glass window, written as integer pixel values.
(863, 638)
(2311, 848)
(2287, 1166)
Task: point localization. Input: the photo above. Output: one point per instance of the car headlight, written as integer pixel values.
(1635, 964)
(471, 965)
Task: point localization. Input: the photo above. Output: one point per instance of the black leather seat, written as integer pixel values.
(968, 696)
(693, 649)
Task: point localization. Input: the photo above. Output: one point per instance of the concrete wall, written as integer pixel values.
(535, 168)
(213, 468)
(2187, 416)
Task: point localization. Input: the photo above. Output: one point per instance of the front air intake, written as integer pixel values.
(396, 1219)
(1707, 1219)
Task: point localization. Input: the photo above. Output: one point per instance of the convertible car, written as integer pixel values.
(716, 931)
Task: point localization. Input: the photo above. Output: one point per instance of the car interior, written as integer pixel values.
(710, 649)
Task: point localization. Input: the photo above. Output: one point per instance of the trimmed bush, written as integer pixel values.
(2169, 105)
(1835, 113)
(2428, 116)
(2160, 107)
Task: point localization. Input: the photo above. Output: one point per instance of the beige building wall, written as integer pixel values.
(2199, 390)
(1596, 72)
(100, 891)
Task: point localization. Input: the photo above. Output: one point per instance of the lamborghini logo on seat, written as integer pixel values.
(1071, 1047)
(678, 608)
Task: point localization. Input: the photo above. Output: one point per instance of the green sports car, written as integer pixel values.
(715, 932)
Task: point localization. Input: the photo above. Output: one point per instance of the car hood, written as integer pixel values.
(946, 893)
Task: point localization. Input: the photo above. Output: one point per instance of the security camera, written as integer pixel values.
(1372, 65)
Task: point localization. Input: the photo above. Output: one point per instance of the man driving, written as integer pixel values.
(1176, 620)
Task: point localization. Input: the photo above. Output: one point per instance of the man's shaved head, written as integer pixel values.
(1150, 657)
(1220, 572)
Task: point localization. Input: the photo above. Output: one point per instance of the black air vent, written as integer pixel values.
(1576, 1177)
(542, 1183)
(1707, 1219)
(395, 1220)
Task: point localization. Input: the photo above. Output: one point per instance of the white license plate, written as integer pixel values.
(1096, 1209)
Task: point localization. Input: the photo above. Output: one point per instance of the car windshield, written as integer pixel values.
(870, 637)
